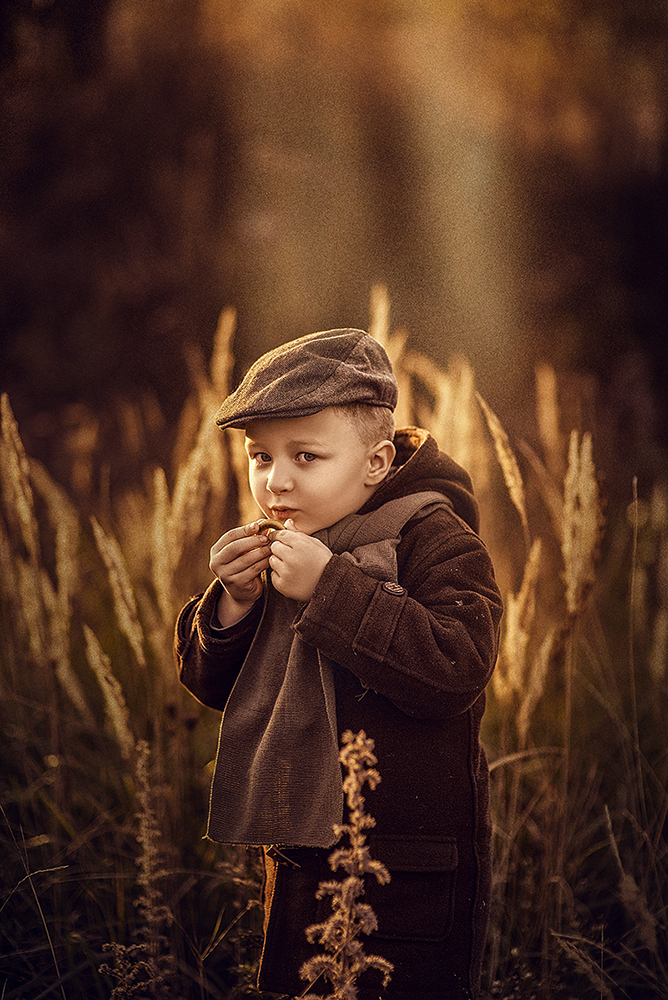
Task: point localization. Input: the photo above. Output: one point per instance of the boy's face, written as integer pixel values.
(313, 469)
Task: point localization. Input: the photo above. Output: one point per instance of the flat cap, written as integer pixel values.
(304, 376)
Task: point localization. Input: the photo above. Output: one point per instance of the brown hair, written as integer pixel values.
(372, 423)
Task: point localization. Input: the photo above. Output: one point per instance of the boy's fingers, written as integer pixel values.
(235, 534)
(244, 567)
(229, 548)
(245, 561)
(246, 576)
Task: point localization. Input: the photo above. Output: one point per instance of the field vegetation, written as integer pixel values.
(110, 890)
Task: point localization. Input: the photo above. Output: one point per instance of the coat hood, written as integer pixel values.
(420, 465)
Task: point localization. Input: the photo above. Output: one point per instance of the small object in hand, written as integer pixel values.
(268, 524)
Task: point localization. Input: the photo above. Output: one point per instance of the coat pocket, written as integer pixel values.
(418, 903)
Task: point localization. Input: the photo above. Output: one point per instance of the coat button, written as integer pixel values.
(390, 587)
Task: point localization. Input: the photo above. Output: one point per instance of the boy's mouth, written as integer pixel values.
(282, 513)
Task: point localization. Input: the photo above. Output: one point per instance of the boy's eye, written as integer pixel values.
(261, 458)
(307, 456)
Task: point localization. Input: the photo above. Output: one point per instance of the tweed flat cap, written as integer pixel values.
(304, 376)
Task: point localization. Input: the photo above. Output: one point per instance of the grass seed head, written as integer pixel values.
(511, 471)
(345, 958)
(582, 522)
(15, 480)
(509, 678)
(163, 555)
(116, 707)
(122, 592)
(222, 358)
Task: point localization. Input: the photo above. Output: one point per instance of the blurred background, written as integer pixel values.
(499, 165)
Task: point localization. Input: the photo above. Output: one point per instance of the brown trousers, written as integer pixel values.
(434, 952)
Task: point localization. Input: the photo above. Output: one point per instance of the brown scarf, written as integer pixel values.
(278, 777)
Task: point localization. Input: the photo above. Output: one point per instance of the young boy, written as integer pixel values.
(374, 607)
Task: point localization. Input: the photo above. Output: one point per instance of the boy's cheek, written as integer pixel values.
(257, 492)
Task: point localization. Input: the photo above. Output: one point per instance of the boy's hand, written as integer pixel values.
(237, 559)
(297, 561)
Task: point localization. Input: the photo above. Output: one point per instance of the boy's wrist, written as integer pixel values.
(229, 610)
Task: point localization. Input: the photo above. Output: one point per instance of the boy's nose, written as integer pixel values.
(278, 481)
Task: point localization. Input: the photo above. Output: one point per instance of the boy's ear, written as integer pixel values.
(381, 457)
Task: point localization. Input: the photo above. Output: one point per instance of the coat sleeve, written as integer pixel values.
(208, 659)
(428, 645)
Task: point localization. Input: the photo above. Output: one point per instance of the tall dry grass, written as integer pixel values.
(105, 761)
(343, 956)
(109, 888)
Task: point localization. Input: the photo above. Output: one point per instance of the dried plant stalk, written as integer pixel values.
(395, 345)
(117, 710)
(163, 556)
(58, 603)
(186, 433)
(551, 489)
(581, 522)
(199, 376)
(155, 915)
(585, 965)
(404, 409)
(463, 432)
(59, 649)
(379, 314)
(423, 368)
(548, 418)
(8, 565)
(65, 520)
(440, 385)
(15, 478)
(188, 507)
(18, 502)
(222, 358)
(452, 417)
(145, 969)
(344, 959)
(122, 592)
(205, 463)
(8, 594)
(536, 681)
(33, 612)
(633, 898)
(508, 463)
(658, 655)
(45, 609)
(510, 674)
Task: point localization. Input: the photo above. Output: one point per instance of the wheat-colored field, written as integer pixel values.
(110, 890)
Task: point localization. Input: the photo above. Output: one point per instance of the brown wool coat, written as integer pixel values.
(410, 670)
